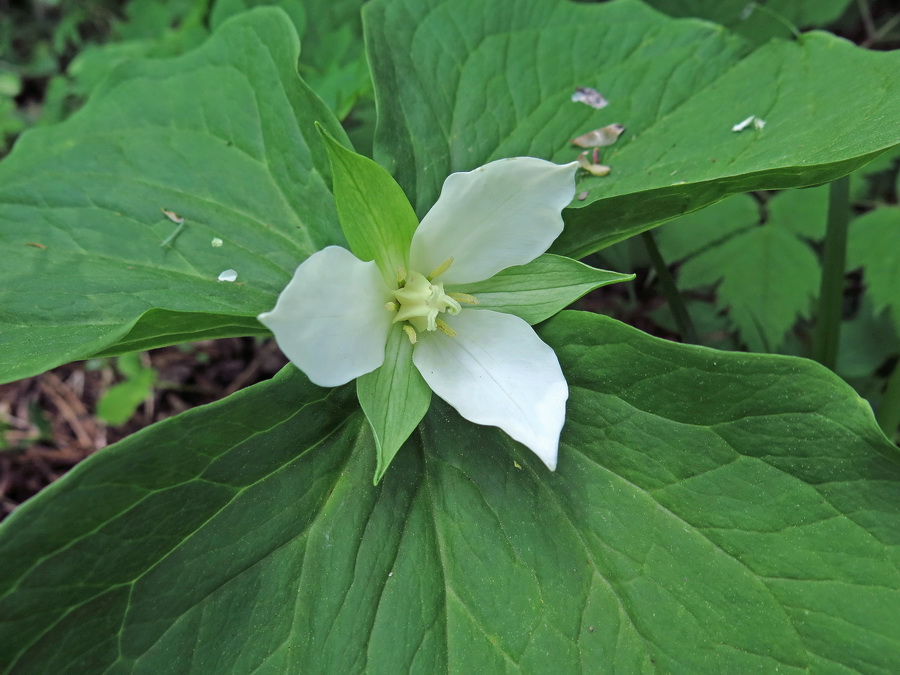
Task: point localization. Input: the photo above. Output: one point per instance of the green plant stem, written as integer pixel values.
(667, 284)
(888, 414)
(831, 290)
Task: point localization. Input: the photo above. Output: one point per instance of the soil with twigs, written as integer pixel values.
(48, 423)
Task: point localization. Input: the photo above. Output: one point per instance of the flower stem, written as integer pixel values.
(670, 291)
(831, 290)
(888, 414)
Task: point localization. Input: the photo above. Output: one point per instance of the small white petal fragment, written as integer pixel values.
(599, 138)
(174, 217)
(330, 320)
(228, 275)
(757, 122)
(502, 214)
(216, 242)
(497, 371)
(590, 97)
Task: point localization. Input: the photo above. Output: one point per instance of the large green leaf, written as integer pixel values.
(461, 84)
(712, 512)
(224, 138)
(333, 61)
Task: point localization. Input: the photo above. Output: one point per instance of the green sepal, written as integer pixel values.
(375, 215)
(394, 398)
(540, 289)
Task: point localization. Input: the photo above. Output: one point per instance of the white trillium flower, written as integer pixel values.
(333, 318)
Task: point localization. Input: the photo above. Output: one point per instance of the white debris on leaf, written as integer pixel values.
(228, 275)
(592, 168)
(599, 138)
(174, 217)
(589, 96)
(757, 122)
(216, 242)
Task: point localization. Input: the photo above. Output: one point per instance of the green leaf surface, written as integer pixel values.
(224, 138)
(747, 500)
(394, 398)
(375, 215)
(768, 279)
(873, 243)
(459, 85)
(538, 290)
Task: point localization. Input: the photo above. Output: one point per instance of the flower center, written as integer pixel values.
(421, 300)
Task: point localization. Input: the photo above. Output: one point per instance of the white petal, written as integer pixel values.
(502, 214)
(330, 320)
(497, 371)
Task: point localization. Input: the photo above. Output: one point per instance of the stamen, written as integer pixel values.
(440, 269)
(464, 298)
(401, 274)
(445, 329)
(390, 306)
(410, 333)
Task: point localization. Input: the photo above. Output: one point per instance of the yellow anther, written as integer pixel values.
(445, 329)
(401, 274)
(410, 333)
(465, 298)
(440, 269)
(390, 306)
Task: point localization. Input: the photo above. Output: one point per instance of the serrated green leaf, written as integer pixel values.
(873, 243)
(394, 398)
(803, 212)
(688, 235)
(538, 290)
(375, 215)
(768, 279)
(867, 341)
(224, 138)
(748, 500)
(459, 85)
